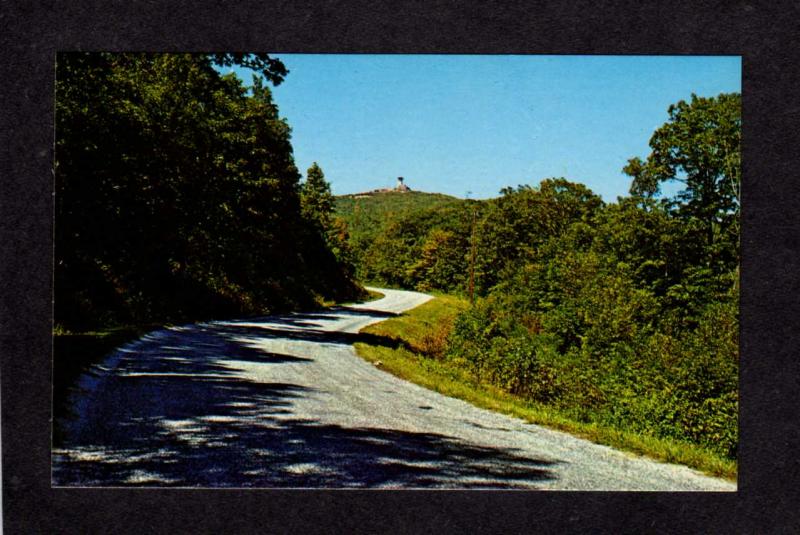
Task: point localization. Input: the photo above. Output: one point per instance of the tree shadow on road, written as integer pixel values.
(312, 319)
(245, 443)
(360, 311)
(299, 328)
(178, 411)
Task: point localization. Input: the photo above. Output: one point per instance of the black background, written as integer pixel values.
(765, 34)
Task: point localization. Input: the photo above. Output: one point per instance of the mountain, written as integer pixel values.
(369, 216)
(366, 211)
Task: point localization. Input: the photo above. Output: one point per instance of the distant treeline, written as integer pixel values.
(625, 313)
(399, 221)
(177, 195)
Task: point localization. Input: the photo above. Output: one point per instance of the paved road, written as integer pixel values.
(283, 401)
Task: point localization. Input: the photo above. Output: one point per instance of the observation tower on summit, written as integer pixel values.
(401, 186)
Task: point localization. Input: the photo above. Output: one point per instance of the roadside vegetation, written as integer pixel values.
(618, 315)
(419, 357)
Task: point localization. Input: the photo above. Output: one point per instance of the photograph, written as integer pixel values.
(396, 271)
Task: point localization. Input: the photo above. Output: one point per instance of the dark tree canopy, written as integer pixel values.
(271, 68)
(316, 198)
(177, 194)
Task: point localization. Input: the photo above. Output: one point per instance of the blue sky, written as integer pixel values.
(453, 124)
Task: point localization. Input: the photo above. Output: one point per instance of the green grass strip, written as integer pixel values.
(415, 329)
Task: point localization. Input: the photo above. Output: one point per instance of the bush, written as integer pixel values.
(602, 351)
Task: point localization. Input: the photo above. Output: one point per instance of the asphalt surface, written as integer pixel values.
(283, 401)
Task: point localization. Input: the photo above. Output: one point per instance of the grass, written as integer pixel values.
(408, 360)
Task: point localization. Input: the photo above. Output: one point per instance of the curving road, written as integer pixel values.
(283, 401)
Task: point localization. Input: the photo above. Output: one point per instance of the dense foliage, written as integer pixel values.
(177, 195)
(368, 217)
(317, 206)
(623, 314)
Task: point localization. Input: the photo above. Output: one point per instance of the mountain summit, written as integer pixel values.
(401, 187)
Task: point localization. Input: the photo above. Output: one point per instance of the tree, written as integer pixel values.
(316, 199)
(699, 146)
(272, 69)
(441, 262)
(642, 233)
(177, 193)
(517, 224)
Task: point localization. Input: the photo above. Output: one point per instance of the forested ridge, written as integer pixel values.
(624, 314)
(383, 228)
(177, 195)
